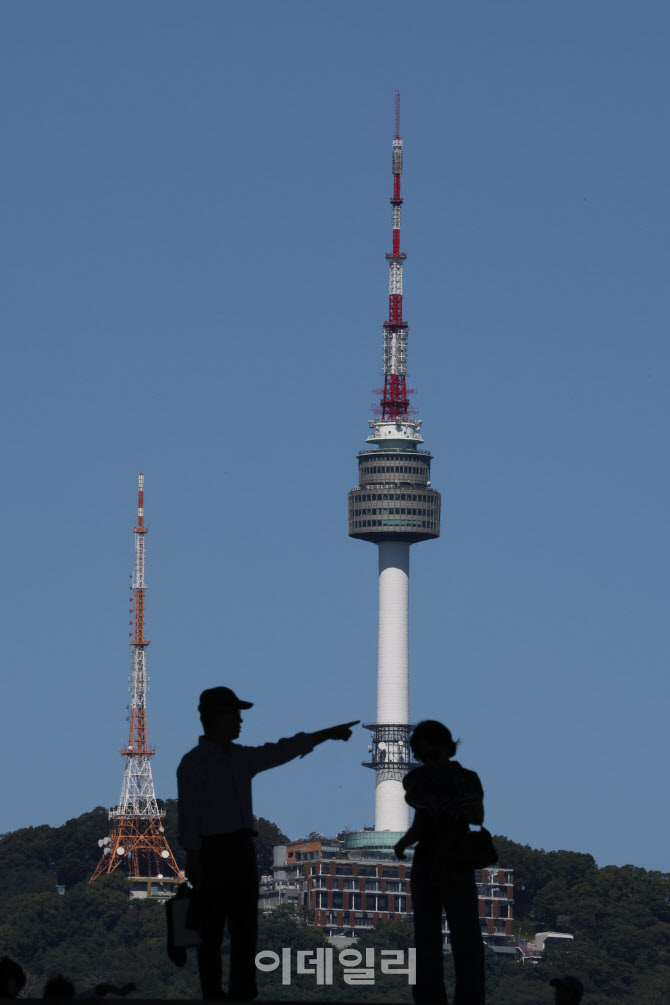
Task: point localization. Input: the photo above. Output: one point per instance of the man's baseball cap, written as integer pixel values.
(220, 697)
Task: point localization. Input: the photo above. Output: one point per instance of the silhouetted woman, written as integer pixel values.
(446, 798)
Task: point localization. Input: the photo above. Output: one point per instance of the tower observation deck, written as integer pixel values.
(393, 506)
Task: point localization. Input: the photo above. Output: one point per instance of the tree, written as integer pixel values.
(619, 916)
(269, 835)
(388, 935)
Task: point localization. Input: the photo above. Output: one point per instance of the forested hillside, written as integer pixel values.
(620, 919)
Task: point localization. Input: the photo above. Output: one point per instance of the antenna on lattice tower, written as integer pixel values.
(137, 836)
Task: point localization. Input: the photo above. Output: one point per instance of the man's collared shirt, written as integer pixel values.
(214, 785)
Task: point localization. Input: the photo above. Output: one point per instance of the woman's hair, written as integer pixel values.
(431, 733)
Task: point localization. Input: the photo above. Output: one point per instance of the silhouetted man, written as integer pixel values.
(216, 830)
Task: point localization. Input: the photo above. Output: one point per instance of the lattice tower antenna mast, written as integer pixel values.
(137, 836)
(394, 403)
(393, 506)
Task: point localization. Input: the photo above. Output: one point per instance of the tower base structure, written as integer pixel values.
(140, 843)
(374, 840)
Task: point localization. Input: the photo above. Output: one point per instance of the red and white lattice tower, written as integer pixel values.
(393, 506)
(137, 837)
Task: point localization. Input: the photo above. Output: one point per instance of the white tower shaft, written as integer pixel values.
(393, 650)
(391, 810)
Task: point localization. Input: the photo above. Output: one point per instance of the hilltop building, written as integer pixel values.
(351, 890)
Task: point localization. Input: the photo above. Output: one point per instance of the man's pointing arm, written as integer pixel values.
(270, 755)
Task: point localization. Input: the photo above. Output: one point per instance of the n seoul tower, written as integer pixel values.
(394, 507)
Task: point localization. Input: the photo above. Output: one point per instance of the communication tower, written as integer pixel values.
(137, 836)
(394, 507)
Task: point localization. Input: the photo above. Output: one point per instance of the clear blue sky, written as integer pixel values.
(195, 221)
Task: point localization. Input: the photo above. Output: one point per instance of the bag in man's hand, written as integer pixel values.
(179, 936)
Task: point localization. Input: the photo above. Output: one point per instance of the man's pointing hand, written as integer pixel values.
(342, 732)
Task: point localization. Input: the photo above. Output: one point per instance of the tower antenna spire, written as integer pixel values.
(137, 835)
(394, 403)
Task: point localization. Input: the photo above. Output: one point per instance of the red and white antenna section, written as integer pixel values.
(394, 423)
(137, 794)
